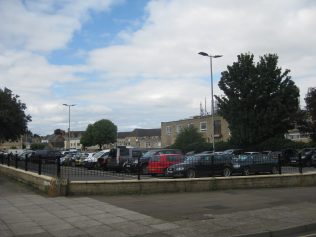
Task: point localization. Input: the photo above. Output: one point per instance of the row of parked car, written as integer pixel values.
(171, 162)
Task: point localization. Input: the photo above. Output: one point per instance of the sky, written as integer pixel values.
(136, 62)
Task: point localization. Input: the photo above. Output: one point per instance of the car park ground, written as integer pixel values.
(271, 212)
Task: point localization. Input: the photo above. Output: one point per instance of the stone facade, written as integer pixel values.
(170, 130)
(140, 138)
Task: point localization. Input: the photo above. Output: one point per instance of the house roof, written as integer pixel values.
(140, 132)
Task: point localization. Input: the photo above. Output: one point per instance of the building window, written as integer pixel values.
(179, 128)
(203, 126)
(168, 130)
(217, 128)
(190, 125)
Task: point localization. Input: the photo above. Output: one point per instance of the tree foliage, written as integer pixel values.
(13, 120)
(259, 99)
(310, 100)
(189, 139)
(100, 133)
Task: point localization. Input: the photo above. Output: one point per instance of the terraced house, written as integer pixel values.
(140, 138)
(170, 130)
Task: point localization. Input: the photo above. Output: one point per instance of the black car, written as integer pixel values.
(254, 163)
(120, 158)
(289, 157)
(143, 161)
(202, 165)
(306, 156)
(46, 156)
(25, 154)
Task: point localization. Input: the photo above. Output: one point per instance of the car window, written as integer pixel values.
(155, 158)
(172, 158)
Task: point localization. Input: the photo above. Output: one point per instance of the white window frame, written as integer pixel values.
(203, 129)
(178, 128)
(168, 130)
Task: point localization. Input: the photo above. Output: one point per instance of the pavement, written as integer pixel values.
(262, 212)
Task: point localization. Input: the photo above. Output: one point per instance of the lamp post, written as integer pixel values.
(211, 57)
(69, 123)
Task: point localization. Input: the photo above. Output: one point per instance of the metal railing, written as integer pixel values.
(162, 167)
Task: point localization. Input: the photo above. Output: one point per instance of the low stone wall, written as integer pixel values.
(189, 185)
(40, 182)
(118, 187)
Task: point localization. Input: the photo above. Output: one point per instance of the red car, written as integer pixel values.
(159, 164)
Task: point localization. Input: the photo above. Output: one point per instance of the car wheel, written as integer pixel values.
(190, 173)
(227, 172)
(274, 170)
(246, 171)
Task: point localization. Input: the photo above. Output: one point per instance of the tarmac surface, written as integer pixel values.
(260, 212)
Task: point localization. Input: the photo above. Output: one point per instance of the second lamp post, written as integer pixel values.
(211, 57)
(69, 124)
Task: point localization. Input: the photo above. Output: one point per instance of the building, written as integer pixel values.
(75, 137)
(140, 138)
(170, 130)
(297, 136)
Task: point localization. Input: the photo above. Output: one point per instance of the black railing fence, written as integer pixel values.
(162, 166)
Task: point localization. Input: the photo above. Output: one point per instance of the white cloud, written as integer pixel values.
(44, 25)
(155, 73)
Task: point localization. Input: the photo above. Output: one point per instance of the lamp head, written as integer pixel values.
(203, 54)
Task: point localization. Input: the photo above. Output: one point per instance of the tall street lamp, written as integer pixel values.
(69, 123)
(211, 57)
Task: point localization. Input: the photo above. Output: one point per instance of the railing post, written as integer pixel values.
(16, 160)
(39, 165)
(138, 167)
(26, 161)
(300, 163)
(9, 158)
(58, 167)
(279, 164)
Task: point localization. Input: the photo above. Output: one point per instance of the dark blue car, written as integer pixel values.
(254, 163)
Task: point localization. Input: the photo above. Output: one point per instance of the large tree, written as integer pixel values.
(100, 133)
(189, 139)
(13, 120)
(259, 99)
(310, 100)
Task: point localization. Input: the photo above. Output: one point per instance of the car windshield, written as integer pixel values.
(98, 154)
(149, 154)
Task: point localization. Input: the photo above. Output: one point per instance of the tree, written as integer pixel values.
(100, 133)
(259, 99)
(190, 139)
(310, 100)
(13, 120)
(59, 132)
(87, 137)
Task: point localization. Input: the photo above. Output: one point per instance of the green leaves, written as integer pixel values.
(100, 133)
(259, 99)
(13, 120)
(190, 139)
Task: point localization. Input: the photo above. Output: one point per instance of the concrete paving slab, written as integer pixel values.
(201, 214)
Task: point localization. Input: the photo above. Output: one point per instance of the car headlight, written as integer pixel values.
(179, 168)
(236, 166)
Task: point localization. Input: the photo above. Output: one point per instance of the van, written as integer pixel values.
(158, 164)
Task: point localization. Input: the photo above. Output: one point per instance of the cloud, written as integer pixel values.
(44, 25)
(152, 74)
